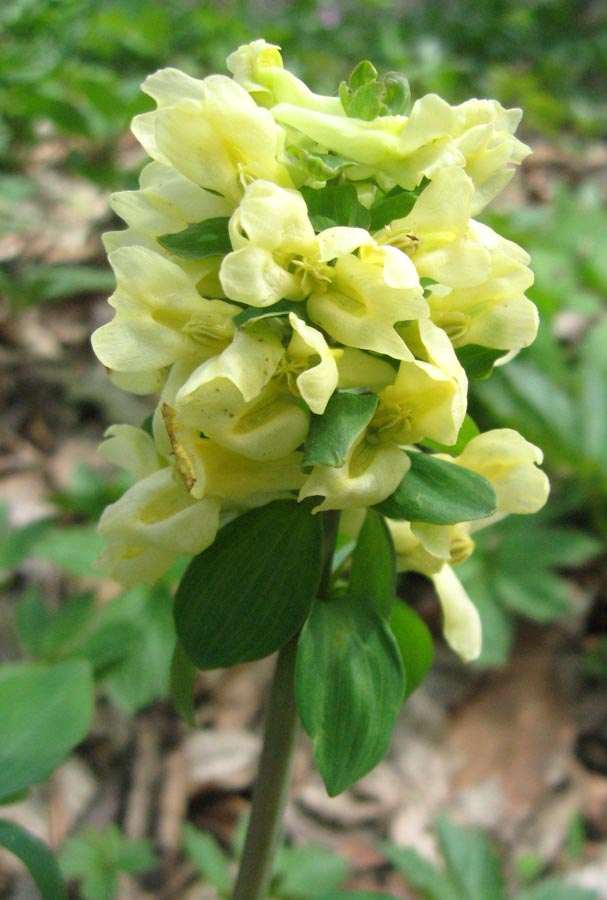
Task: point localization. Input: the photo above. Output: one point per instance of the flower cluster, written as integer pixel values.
(285, 248)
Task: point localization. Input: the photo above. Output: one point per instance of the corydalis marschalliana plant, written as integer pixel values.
(304, 284)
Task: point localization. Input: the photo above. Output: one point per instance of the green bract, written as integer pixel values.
(304, 287)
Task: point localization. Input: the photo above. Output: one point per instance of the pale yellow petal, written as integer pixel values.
(319, 379)
(510, 463)
(250, 275)
(461, 621)
(370, 474)
(130, 448)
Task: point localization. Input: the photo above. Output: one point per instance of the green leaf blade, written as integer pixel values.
(349, 685)
(45, 711)
(250, 591)
(440, 492)
(335, 205)
(396, 204)
(37, 857)
(478, 361)
(471, 861)
(183, 681)
(415, 644)
(373, 572)
(332, 434)
(207, 238)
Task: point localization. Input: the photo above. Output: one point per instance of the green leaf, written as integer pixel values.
(367, 103)
(362, 74)
(332, 434)
(537, 594)
(443, 493)
(67, 626)
(96, 857)
(396, 204)
(415, 644)
(43, 283)
(397, 98)
(32, 618)
(17, 543)
(349, 684)
(208, 858)
(183, 681)
(255, 313)
(420, 874)
(37, 857)
(471, 861)
(305, 873)
(142, 674)
(320, 166)
(335, 205)
(373, 572)
(466, 433)
(108, 645)
(45, 711)
(208, 238)
(358, 895)
(554, 889)
(73, 549)
(478, 361)
(250, 591)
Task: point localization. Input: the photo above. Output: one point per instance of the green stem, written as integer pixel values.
(276, 763)
(272, 788)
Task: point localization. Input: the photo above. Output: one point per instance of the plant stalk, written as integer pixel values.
(276, 762)
(273, 780)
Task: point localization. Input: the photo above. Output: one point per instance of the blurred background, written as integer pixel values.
(515, 745)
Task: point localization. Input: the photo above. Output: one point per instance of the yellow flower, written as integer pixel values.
(510, 463)
(211, 131)
(428, 397)
(152, 523)
(160, 316)
(259, 69)
(461, 621)
(370, 473)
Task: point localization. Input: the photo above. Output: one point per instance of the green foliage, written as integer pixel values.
(395, 204)
(434, 490)
(183, 681)
(45, 711)
(306, 873)
(336, 204)
(415, 644)
(265, 566)
(128, 643)
(373, 569)
(472, 870)
(209, 859)
(331, 435)
(95, 858)
(364, 97)
(478, 361)
(255, 313)
(300, 873)
(208, 238)
(37, 857)
(349, 685)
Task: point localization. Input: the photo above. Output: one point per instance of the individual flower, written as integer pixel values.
(211, 131)
(156, 520)
(370, 473)
(429, 394)
(160, 317)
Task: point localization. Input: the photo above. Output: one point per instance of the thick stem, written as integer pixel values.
(272, 788)
(276, 763)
